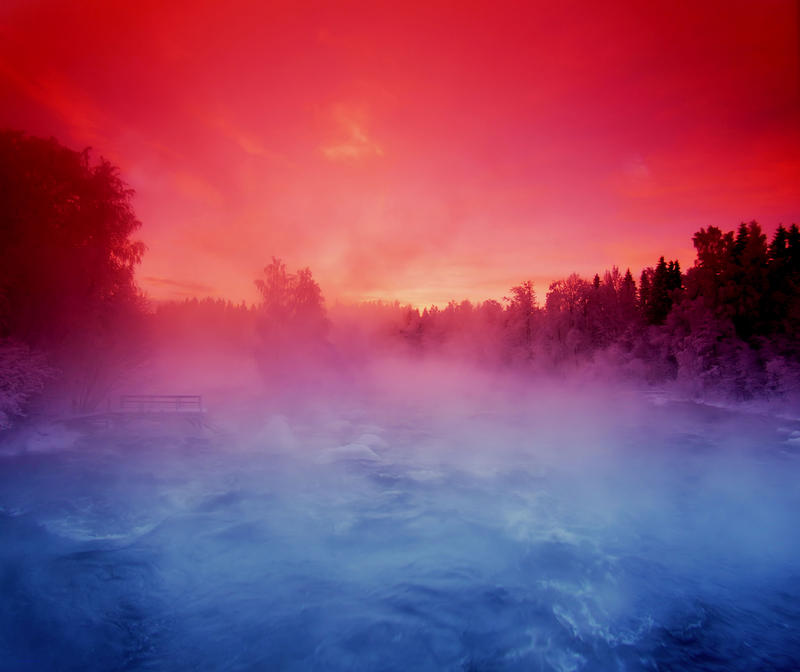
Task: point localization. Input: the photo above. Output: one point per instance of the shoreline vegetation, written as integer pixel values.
(75, 329)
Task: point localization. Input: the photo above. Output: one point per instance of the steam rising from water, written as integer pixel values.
(425, 517)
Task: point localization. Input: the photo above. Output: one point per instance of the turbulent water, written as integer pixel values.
(536, 536)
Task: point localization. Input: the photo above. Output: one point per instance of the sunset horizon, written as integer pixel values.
(420, 154)
(355, 336)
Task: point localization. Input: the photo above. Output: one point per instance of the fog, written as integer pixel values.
(597, 474)
(403, 513)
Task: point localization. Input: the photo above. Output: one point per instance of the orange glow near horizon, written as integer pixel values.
(423, 152)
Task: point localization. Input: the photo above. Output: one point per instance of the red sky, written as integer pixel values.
(428, 152)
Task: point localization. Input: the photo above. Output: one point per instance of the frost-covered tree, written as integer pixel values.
(567, 333)
(520, 320)
(23, 374)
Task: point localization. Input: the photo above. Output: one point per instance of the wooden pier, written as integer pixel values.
(146, 407)
(159, 404)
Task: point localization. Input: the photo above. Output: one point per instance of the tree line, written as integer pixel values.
(73, 321)
(731, 322)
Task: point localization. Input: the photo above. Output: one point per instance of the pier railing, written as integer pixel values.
(161, 403)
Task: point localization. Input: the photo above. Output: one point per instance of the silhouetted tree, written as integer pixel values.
(645, 283)
(660, 303)
(521, 314)
(711, 266)
(782, 309)
(659, 288)
(292, 323)
(67, 262)
(566, 308)
(747, 281)
(66, 254)
(627, 298)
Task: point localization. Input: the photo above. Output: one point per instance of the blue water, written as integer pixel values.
(662, 540)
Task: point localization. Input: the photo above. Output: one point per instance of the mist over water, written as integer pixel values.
(512, 423)
(421, 516)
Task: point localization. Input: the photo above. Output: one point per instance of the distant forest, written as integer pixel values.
(73, 322)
